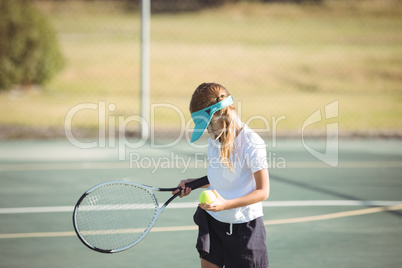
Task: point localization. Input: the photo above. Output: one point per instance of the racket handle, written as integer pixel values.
(195, 184)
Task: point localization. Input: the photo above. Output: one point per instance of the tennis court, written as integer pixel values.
(316, 216)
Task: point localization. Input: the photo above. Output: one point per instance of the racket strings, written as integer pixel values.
(115, 215)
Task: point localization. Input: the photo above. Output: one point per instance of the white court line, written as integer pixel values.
(126, 165)
(194, 227)
(301, 203)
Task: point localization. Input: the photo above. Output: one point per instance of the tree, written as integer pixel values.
(29, 50)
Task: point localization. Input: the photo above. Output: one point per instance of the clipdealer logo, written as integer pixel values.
(330, 156)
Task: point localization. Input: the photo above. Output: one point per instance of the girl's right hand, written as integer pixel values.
(184, 190)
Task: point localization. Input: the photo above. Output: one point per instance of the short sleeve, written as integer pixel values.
(256, 154)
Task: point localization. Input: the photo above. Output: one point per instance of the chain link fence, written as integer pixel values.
(292, 68)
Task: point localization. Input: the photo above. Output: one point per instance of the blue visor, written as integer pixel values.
(202, 117)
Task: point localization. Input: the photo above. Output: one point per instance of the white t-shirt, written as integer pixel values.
(249, 157)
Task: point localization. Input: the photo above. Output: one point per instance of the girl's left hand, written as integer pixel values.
(219, 204)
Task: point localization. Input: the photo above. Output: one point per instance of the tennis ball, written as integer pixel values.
(207, 196)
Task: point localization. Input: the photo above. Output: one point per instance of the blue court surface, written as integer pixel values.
(347, 213)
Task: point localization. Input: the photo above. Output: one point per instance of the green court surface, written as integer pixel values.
(317, 215)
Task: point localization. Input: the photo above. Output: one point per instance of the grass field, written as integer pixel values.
(275, 59)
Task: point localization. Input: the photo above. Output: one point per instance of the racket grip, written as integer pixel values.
(195, 184)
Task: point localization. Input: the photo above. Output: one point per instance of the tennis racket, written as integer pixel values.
(114, 216)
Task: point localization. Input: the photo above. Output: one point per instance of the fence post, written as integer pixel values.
(145, 66)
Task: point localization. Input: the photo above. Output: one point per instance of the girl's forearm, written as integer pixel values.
(252, 198)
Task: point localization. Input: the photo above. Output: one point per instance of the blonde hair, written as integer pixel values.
(206, 95)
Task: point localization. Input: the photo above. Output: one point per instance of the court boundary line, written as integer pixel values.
(193, 228)
(181, 205)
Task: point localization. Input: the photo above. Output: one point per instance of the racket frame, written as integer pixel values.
(194, 185)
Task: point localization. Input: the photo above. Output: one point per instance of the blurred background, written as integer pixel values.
(281, 60)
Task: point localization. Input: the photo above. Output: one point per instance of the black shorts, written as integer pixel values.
(237, 246)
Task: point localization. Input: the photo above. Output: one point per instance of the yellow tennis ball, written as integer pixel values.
(207, 196)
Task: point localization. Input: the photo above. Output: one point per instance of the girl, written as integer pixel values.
(231, 229)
